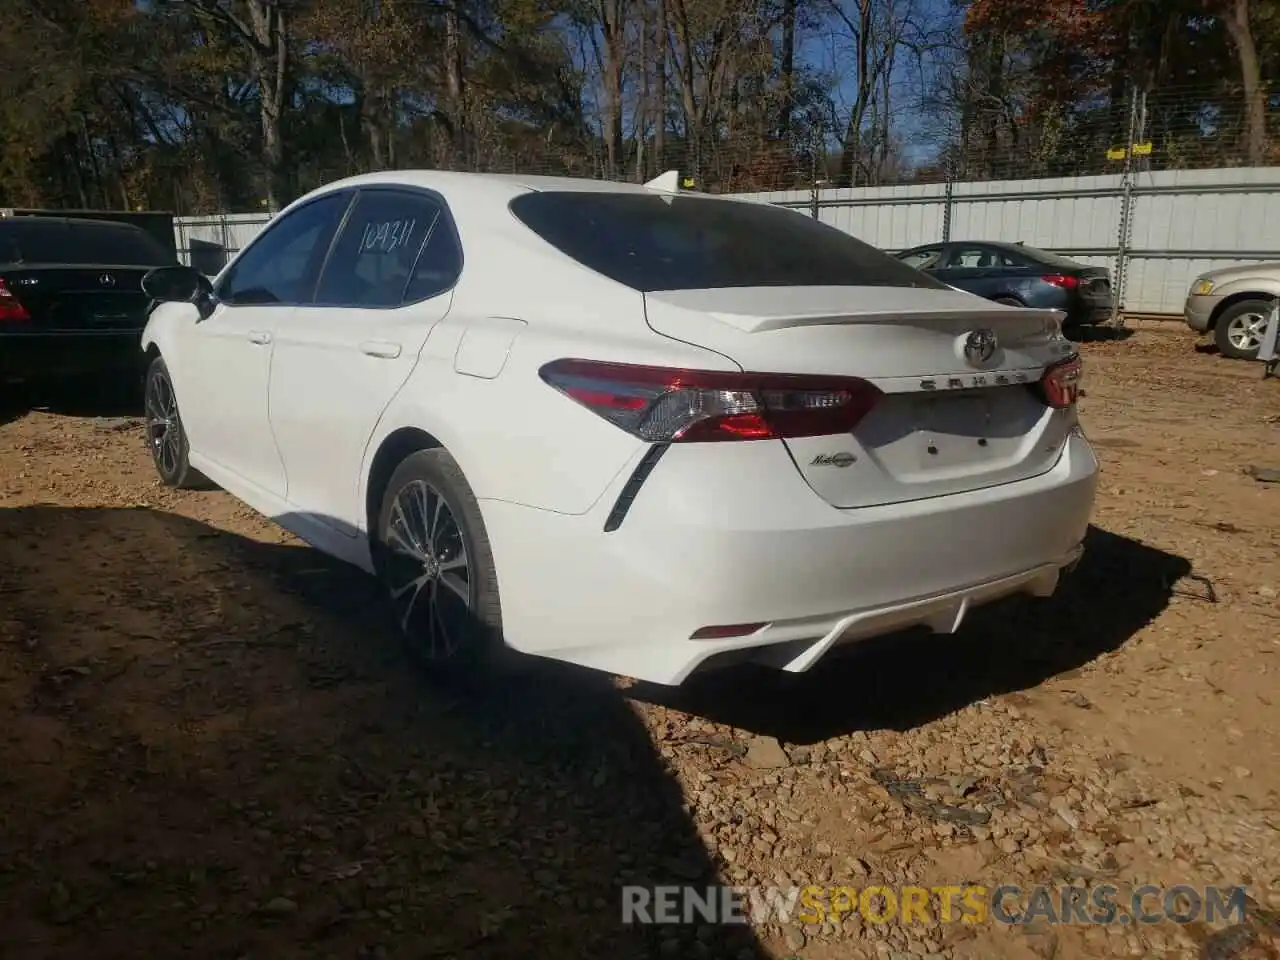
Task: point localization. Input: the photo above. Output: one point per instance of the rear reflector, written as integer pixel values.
(1064, 280)
(666, 405)
(1060, 385)
(11, 307)
(727, 631)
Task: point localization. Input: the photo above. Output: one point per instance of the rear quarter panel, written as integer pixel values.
(515, 437)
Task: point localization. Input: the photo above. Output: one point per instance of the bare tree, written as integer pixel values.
(1236, 20)
(261, 27)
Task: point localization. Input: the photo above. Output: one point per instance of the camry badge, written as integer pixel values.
(980, 346)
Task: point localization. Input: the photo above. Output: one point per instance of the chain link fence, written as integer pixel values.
(1139, 182)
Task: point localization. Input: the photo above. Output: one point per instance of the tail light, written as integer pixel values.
(1063, 280)
(665, 405)
(1060, 385)
(11, 307)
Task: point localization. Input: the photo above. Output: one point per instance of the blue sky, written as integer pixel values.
(830, 53)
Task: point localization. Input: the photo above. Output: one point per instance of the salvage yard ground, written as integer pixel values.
(212, 747)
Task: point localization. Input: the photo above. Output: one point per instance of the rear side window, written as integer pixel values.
(981, 258)
(374, 257)
(656, 242)
(38, 240)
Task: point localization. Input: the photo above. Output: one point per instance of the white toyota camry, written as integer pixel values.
(636, 429)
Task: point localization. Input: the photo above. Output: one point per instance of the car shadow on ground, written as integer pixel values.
(1098, 334)
(215, 748)
(906, 679)
(100, 397)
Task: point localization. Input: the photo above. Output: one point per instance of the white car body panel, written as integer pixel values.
(332, 375)
(701, 546)
(719, 533)
(232, 353)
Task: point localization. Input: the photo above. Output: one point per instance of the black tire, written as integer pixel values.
(1009, 301)
(166, 438)
(1234, 316)
(450, 618)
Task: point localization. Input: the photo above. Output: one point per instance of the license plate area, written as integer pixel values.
(956, 430)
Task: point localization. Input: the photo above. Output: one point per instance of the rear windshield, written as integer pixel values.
(658, 242)
(36, 240)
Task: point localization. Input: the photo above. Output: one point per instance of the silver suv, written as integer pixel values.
(1235, 304)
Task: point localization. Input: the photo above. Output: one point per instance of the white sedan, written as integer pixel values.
(619, 425)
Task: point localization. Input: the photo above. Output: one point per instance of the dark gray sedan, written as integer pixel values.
(1019, 276)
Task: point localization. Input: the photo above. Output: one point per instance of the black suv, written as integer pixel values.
(71, 300)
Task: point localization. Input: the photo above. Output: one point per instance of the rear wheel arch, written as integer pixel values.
(395, 448)
(1008, 300)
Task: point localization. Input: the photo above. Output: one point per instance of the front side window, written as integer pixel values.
(374, 257)
(280, 266)
(653, 242)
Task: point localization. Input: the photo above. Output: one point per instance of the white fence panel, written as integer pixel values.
(1075, 214)
(1183, 222)
(209, 242)
(1186, 222)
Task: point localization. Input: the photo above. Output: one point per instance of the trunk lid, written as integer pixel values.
(947, 423)
(82, 298)
(1095, 286)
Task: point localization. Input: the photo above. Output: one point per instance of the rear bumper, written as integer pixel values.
(43, 356)
(1088, 315)
(733, 536)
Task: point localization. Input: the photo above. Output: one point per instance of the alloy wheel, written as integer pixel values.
(163, 427)
(427, 569)
(1245, 331)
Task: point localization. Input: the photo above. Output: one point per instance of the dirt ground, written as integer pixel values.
(213, 747)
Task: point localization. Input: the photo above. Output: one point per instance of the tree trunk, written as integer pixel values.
(646, 102)
(661, 32)
(453, 83)
(270, 45)
(613, 61)
(852, 152)
(1236, 20)
(785, 110)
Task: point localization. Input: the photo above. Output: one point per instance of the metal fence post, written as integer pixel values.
(1137, 109)
(946, 206)
(817, 155)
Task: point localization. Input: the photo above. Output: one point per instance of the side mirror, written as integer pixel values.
(176, 284)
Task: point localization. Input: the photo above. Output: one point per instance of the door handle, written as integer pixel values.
(259, 336)
(380, 348)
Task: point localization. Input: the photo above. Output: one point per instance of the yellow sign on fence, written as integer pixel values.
(1137, 149)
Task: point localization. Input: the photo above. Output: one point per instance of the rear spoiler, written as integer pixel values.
(668, 182)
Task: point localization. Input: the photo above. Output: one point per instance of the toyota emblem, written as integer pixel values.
(107, 280)
(980, 346)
